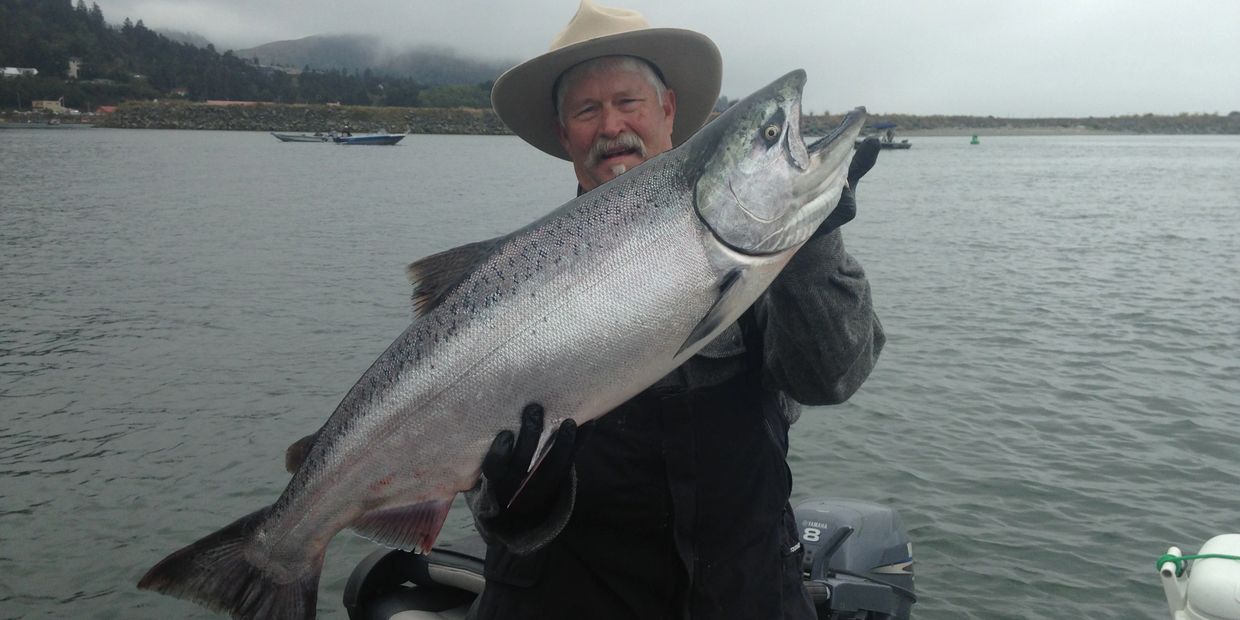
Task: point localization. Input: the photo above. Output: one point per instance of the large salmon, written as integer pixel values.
(578, 311)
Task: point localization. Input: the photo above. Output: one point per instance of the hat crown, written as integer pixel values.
(593, 21)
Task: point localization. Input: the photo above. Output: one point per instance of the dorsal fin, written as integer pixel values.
(432, 277)
(295, 454)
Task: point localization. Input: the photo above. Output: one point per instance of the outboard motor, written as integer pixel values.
(858, 560)
(858, 566)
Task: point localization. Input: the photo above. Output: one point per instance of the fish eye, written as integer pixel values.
(773, 128)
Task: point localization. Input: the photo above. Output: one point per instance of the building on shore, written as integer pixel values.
(14, 72)
(52, 106)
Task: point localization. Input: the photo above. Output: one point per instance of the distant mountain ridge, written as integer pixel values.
(191, 38)
(427, 65)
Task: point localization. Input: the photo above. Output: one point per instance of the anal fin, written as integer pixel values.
(412, 528)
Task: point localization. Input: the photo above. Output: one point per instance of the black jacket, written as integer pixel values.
(680, 508)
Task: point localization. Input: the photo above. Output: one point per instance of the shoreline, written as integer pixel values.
(912, 133)
(303, 118)
(966, 132)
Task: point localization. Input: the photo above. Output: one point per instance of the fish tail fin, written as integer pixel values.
(214, 572)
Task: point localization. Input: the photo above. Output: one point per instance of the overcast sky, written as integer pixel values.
(1014, 58)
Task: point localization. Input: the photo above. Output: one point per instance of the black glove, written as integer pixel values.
(506, 465)
(846, 208)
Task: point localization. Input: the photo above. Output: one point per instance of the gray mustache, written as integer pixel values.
(621, 142)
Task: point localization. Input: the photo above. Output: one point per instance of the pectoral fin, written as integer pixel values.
(728, 305)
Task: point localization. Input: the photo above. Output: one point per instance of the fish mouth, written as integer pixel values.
(850, 126)
(828, 155)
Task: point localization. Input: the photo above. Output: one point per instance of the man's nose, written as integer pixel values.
(614, 122)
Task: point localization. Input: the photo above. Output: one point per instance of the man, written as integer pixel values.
(674, 505)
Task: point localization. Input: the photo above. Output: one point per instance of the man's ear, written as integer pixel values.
(669, 105)
(560, 133)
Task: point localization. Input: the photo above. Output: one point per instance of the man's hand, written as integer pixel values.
(862, 161)
(507, 464)
(846, 208)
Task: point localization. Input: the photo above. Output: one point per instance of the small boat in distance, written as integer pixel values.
(886, 139)
(302, 137)
(369, 138)
(343, 137)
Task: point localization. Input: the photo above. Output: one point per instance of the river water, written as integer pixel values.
(1056, 405)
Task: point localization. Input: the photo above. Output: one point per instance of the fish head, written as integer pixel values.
(759, 188)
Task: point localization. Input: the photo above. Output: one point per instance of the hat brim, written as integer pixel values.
(689, 61)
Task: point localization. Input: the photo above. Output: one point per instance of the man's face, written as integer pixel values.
(612, 121)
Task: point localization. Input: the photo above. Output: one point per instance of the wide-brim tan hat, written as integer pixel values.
(689, 61)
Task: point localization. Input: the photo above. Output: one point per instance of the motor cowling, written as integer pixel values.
(858, 559)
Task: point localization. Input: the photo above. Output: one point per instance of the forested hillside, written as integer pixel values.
(131, 61)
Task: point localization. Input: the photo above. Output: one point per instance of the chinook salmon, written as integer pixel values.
(578, 311)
